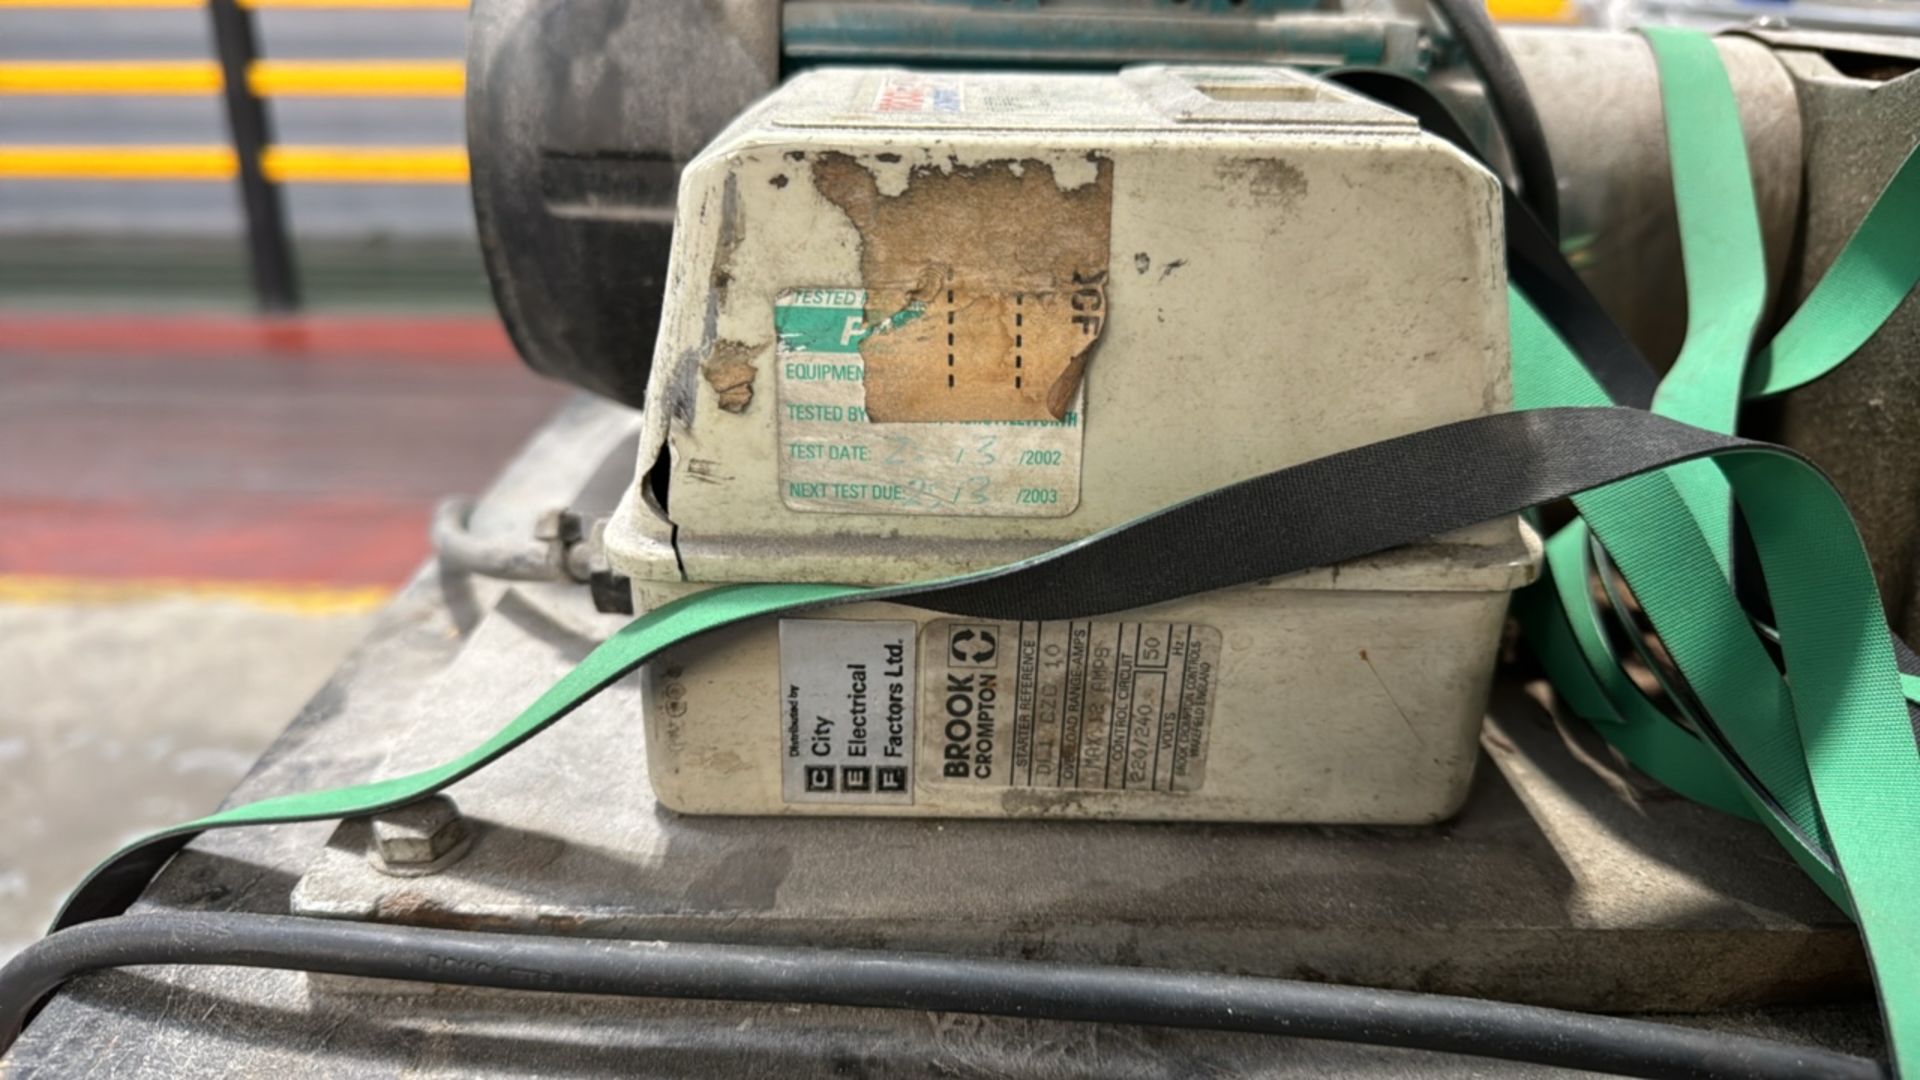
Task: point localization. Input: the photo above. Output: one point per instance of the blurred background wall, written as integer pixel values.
(201, 506)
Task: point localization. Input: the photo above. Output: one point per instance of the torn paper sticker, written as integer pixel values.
(992, 279)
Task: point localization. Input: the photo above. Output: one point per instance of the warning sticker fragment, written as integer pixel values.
(1102, 706)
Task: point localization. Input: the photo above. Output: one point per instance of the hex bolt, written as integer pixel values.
(563, 525)
(423, 837)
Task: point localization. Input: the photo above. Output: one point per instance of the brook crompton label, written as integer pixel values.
(1104, 706)
(846, 710)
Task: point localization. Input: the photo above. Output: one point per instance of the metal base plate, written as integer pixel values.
(1565, 881)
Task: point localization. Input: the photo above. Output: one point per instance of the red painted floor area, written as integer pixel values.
(230, 449)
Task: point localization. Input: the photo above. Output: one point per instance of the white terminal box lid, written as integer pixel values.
(919, 323)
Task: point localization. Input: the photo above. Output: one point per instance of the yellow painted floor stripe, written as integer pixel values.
(358, 78)
(284, 164)
(445, 5)
(100, 3)
(116, 163)
(298, 599)
(269, 78)
(364, 165)
(198, 77)
(397, 5)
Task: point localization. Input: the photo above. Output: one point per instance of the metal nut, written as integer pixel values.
(419, 838)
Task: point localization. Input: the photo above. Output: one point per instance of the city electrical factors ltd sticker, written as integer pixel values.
(846, 711)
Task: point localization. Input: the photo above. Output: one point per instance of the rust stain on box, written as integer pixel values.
(1006, 273)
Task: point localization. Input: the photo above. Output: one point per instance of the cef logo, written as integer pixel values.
(972, 646)
(917, 95)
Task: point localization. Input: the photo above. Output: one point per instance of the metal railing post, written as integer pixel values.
(274, 284)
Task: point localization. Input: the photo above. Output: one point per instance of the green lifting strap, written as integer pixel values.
(1874, 272)
(1725, 265)
(1658, 546)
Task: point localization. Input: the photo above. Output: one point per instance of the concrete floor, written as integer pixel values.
(196, 520)
(121, 717)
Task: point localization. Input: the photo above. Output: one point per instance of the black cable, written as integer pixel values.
(1512, 106)
(894, 980)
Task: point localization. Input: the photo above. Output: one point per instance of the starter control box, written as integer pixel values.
(924, 323)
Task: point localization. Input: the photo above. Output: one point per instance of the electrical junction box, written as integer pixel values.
(919, 324)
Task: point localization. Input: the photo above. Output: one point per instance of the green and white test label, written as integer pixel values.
(834, 459)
